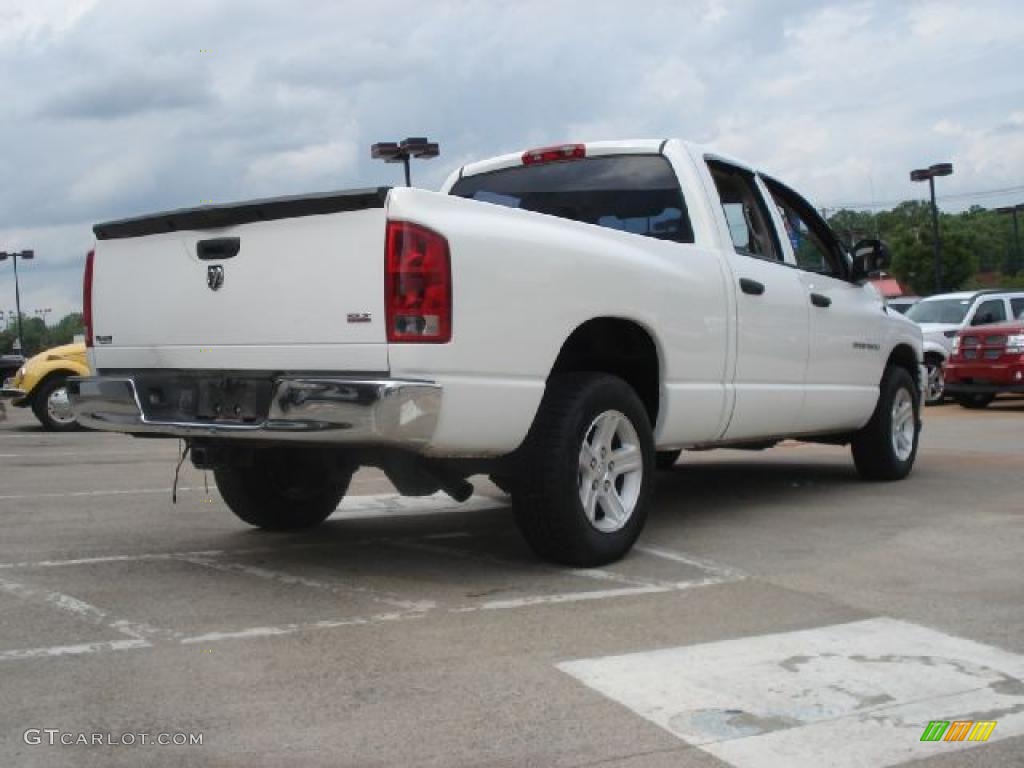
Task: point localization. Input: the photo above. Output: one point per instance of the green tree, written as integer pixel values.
(914, 260)
(38, 336)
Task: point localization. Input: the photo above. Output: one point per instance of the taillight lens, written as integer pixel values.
(87, 297)
(418, 284)
(554, 154)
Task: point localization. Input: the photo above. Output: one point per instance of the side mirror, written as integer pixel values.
(869, 258)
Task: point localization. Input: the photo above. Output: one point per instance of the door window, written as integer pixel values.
(745, 212)
(814, 245)
(988, 312)
(1017, 306)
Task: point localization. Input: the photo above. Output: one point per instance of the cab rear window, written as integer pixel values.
(630, 193)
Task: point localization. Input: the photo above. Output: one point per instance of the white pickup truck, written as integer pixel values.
(565, 320)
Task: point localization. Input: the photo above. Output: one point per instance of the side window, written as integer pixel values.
(814, 246)
(988, 312)
(1017, 306)
(745, 212)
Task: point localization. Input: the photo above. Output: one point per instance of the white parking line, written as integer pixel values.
(139, 634)
(288, 629)
(50, 454)
(78, 494)
(291, 580)
(354, 507)
(725, 571)
(846, 695)
(73, 650)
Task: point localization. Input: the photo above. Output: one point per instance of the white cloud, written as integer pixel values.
(306, 167)
(119, 107)
(40, 21)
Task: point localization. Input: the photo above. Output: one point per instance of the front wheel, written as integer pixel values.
(975, 400)
(935, 386)
(586, 472)
(886, 447)
(51, 405)
(284, 489)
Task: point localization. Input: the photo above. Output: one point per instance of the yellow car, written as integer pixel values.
(40, 384)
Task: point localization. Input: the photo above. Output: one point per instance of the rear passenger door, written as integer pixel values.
(846, 358)
(1017, 308)
(771, 312)
(988, 312)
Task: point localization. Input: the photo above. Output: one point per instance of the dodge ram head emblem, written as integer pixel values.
(215, 276)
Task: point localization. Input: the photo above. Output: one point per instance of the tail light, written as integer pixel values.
(554, 154)
(87, 297)
(418, 284)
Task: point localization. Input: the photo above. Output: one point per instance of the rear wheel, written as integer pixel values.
(52, 407)
(973, 401)
(886, 447)
(284, 489)
(586, 473)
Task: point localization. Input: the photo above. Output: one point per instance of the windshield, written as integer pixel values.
(950, 311)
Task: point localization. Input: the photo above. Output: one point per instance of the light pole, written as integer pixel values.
(17, 291)
(41, 314)
(1014, 263)
(929, 174)
(402, 151)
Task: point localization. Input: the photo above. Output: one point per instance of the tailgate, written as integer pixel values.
(284, 284)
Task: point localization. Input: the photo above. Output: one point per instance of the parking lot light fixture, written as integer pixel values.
(929, 174)
(1013, 264)
(402, 151)
(14, 256)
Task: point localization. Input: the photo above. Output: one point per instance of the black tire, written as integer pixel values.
(546, 499)
(935, 384)
(284, 489)
(874, 452)
(665, 460)
(974, 401)
(41, 403)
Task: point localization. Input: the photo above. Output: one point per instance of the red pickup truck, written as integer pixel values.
(986, 361)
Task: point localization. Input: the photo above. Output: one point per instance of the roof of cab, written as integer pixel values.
(594, 149)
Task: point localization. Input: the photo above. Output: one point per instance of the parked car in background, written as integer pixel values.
(941, 317)
(40, 384)
(987, 362)
(902, 303)
(9, 364)
(564, 319)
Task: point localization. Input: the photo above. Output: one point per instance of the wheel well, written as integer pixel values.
(903, 357)
(928, 356)
(59, 372)
(619, 347)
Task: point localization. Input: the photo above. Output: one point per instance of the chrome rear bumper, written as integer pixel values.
(313, 410)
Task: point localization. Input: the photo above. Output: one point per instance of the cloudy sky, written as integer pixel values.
(118, 107)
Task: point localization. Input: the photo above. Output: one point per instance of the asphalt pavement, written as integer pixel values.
(777, 611)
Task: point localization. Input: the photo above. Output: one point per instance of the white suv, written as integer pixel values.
(940, 317)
